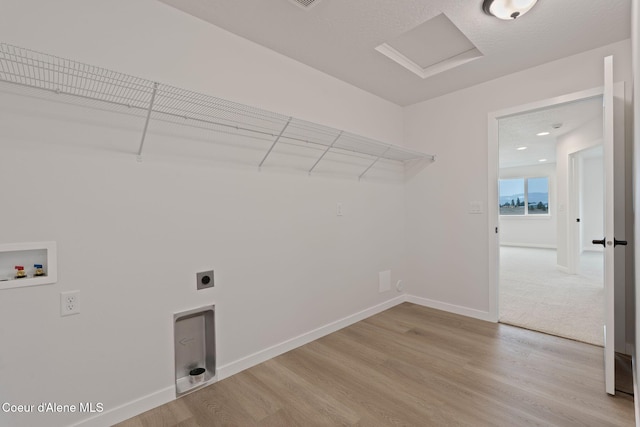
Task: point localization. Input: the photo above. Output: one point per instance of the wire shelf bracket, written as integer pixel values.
(274, 143)
(325, 152)
(146, 122)
(374, 162)
(89, 84)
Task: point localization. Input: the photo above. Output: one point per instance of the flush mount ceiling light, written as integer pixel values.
(507, 9)
(542, 160)
(521, 148)
(543, 133)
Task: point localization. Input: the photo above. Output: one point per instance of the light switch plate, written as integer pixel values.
(475, 207)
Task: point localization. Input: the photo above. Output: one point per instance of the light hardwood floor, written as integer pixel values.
(412, 366)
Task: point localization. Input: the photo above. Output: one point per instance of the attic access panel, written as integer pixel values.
(432, 47)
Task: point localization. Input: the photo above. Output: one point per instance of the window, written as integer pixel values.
(524, 196)
(512, 196)
(538, 196)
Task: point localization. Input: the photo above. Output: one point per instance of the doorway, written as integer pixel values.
(615, 286)
(547, 176)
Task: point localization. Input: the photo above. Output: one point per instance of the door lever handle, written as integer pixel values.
(619, 242)
(600, 242)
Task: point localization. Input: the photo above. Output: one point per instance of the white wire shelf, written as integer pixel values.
(163, 102)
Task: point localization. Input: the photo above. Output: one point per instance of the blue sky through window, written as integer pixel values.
(511, 189)
(538, 189)
(512, 196)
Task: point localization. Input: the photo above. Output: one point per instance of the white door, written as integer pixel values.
(608, 241)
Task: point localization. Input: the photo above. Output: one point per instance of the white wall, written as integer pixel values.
(569, 147)
(591, 212)
(447, 248)
(537, 231)
(132, 235)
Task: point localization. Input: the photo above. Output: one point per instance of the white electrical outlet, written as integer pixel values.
(69, 303)
(339, 209)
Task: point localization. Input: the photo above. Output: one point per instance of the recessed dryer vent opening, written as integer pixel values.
(195, 348)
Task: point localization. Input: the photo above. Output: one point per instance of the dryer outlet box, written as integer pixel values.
(204, 279)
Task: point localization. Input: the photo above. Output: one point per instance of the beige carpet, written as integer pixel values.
(534, 294)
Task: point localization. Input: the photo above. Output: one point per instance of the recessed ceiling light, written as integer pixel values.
(542, 160)
(507, 9)
(521, 148)
(543, 133)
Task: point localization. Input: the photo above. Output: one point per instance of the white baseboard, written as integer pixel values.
(451, 308)
(129, 410)
(153, 400)
(528, 245)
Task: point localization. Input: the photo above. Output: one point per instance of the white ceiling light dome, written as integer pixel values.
(507, 9)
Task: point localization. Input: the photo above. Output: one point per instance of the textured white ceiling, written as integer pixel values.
(339, 37)
(520, 131)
